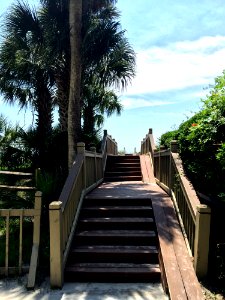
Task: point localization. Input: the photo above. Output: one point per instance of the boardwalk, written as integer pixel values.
(181, 279)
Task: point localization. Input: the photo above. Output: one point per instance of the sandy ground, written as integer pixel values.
(15, 289)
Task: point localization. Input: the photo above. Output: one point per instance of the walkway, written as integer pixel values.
(178, 275)
(14, 290)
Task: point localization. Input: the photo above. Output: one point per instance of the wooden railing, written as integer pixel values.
(194, 217)
(20, 214)
(86, 173)
(148, 146)
(19, 176)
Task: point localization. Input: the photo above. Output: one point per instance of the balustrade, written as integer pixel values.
(193, 216)
(86, 173)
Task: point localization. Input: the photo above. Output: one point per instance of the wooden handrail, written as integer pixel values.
(187, 187)
(16, 187)
(86, 173)
(65, 194)
(193, 216)
(148, 146)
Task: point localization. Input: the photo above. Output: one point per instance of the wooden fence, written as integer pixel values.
(194, 217)
(21, 215)
(86, 173)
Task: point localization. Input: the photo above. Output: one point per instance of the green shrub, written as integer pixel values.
(167, 137)
(201, 142)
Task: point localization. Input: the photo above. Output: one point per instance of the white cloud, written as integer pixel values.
(179, 65)
(138, 103)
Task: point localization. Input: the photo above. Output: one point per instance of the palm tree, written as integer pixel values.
(25, 76)
(74, 105)
(54, 17)
(97, 102)
(77, 10)
(111, 65)
(40, 59)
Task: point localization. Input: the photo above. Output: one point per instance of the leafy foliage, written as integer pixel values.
(167, 137)
(202, 142)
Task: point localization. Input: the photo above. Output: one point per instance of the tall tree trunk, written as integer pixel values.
(44, 108)
(74, 107)
(62, 82)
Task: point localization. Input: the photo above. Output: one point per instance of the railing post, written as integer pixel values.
(160, 163)
(173, 149)
(37, 176)
(56, 251)
(36, 241)
(202, 232)
(93, 149)
(81, 150)
(114, 147)
(174, 146)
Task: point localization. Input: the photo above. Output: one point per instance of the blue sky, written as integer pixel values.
(180, 49)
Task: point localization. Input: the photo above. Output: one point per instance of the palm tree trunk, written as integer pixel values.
(44, 108)
(74, 107)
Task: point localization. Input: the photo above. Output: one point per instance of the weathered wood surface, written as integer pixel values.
(16, 173)
(19, 188)
(147, 172)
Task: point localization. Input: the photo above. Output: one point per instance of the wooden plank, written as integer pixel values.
(33, 266)
(20, 188)
(36, 242)
(16, 173)
(187, 272)
(187, 187)
(21, 242)
(172, 272)
(146, 169)
(17, 212)
(71, 179)
(7, 245)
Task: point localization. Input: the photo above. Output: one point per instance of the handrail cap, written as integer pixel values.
(202, 208)
(55, 205)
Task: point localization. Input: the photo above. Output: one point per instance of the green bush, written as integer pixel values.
(201, 142)
(167, 137)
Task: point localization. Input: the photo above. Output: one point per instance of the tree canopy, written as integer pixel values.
(35, 65)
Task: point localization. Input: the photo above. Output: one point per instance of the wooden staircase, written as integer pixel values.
(115, 241)
(123, 168)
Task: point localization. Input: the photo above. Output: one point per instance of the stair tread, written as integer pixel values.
(109, 267)
(132, 233)
(129, 164)
(134, 207)
(117, 220)
(114, 249)
(124, 176)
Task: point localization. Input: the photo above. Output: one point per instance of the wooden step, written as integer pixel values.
(123, 178)
(126, 173)
(123, 165)
(118, 237)
(116, 223)
(120, 168)
(113, 272)
(122, 202)
(117, 211)
(120, 158)
(114, 253)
